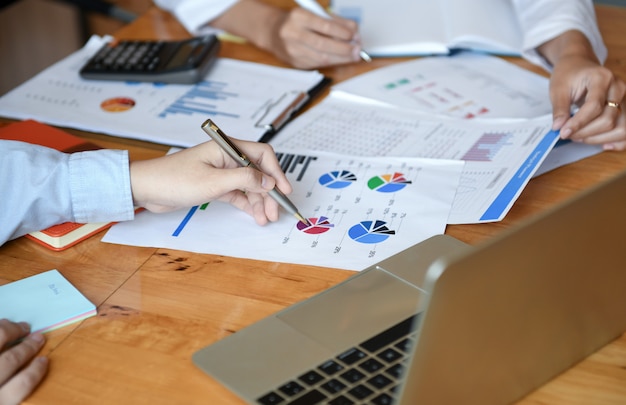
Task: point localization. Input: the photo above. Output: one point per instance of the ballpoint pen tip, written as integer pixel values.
(303, 220)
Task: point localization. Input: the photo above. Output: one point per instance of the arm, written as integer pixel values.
(48, 187)
(295, 36)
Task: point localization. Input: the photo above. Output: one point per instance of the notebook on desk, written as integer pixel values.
(493, 322)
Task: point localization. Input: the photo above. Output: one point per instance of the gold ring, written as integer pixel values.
(613, 104)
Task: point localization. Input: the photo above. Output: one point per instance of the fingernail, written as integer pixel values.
(25, 326)
(37, 337)
(42, 359)
(265, 182)
(356, 53)
(565, 132)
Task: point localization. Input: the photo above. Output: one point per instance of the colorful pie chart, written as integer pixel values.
(318, 225)
(388, 183)
(370, 232)
(337, 179)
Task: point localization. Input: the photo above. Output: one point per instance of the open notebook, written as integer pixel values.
(480, 325)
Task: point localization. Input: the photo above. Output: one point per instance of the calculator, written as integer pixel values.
(179, 62)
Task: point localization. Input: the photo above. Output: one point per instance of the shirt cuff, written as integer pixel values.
(100, 186)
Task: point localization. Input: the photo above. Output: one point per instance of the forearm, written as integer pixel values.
(252, 20)
(569, 44)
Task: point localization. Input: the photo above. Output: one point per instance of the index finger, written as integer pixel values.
(591, 109)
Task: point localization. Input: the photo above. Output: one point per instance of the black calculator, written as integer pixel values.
(180, 62)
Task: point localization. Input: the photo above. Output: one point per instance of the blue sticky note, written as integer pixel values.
(46, 301)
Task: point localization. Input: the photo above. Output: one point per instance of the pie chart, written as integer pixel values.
(388, 183)
(370, 232)
(318, 225)
(337, 179)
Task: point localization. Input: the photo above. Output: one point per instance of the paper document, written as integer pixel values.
(362, 210)
(243, 97)
(501, 156)
(466, 85)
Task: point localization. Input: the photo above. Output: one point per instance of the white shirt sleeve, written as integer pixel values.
(542, 20)
(195, 15)
(41, 187)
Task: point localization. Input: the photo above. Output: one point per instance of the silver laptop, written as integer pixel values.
(444, 322)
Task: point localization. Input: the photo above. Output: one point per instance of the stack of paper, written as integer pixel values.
(46, 301)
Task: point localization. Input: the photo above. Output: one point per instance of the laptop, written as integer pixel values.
(443, 322)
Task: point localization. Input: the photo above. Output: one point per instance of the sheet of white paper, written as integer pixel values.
(466, 85)
(235, 94)
(363, 210)
(501, 156)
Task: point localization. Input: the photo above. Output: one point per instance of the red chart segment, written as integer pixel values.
(318, 225)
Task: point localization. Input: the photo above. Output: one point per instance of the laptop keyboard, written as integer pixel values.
(367, 373)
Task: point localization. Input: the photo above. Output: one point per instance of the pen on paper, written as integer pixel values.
(225, 143)
(315, 7)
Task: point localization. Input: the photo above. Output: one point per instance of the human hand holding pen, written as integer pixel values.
(235, 153)
(206, 173)
(314, 7)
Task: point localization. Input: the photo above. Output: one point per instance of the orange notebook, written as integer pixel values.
(62, 236)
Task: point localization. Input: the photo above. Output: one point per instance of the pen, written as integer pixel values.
(315, 7)
(229, 147)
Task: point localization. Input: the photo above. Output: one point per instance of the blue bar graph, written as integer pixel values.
(203, 98)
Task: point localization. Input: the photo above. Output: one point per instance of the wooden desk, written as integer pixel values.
(157, 306)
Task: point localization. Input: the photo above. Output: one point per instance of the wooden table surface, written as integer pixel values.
(158, 306)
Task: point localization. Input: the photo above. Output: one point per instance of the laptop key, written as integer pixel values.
(333, 386)
(331, 367)
(371, 365)
(341, 400)
(291, 388)
(311, 378)
(389, 355)
(351, 356)
(396, 370)
(379, 381)
(310, 398)
(360, 392)
(270, 399)
(383, 399)
(352, 375)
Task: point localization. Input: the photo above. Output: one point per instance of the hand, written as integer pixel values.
(590, 86)
(306, 41)
(19, 376)
(579, 78)
(206, 173)
(296, 36)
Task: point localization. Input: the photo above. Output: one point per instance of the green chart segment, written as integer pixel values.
(388, 183)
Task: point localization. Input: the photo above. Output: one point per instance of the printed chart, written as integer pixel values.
(242, 96)
(361, 211)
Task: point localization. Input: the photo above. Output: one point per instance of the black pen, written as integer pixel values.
(222, 140)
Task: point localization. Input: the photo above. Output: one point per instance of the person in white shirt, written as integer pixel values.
(43, 187)
(561, 36)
